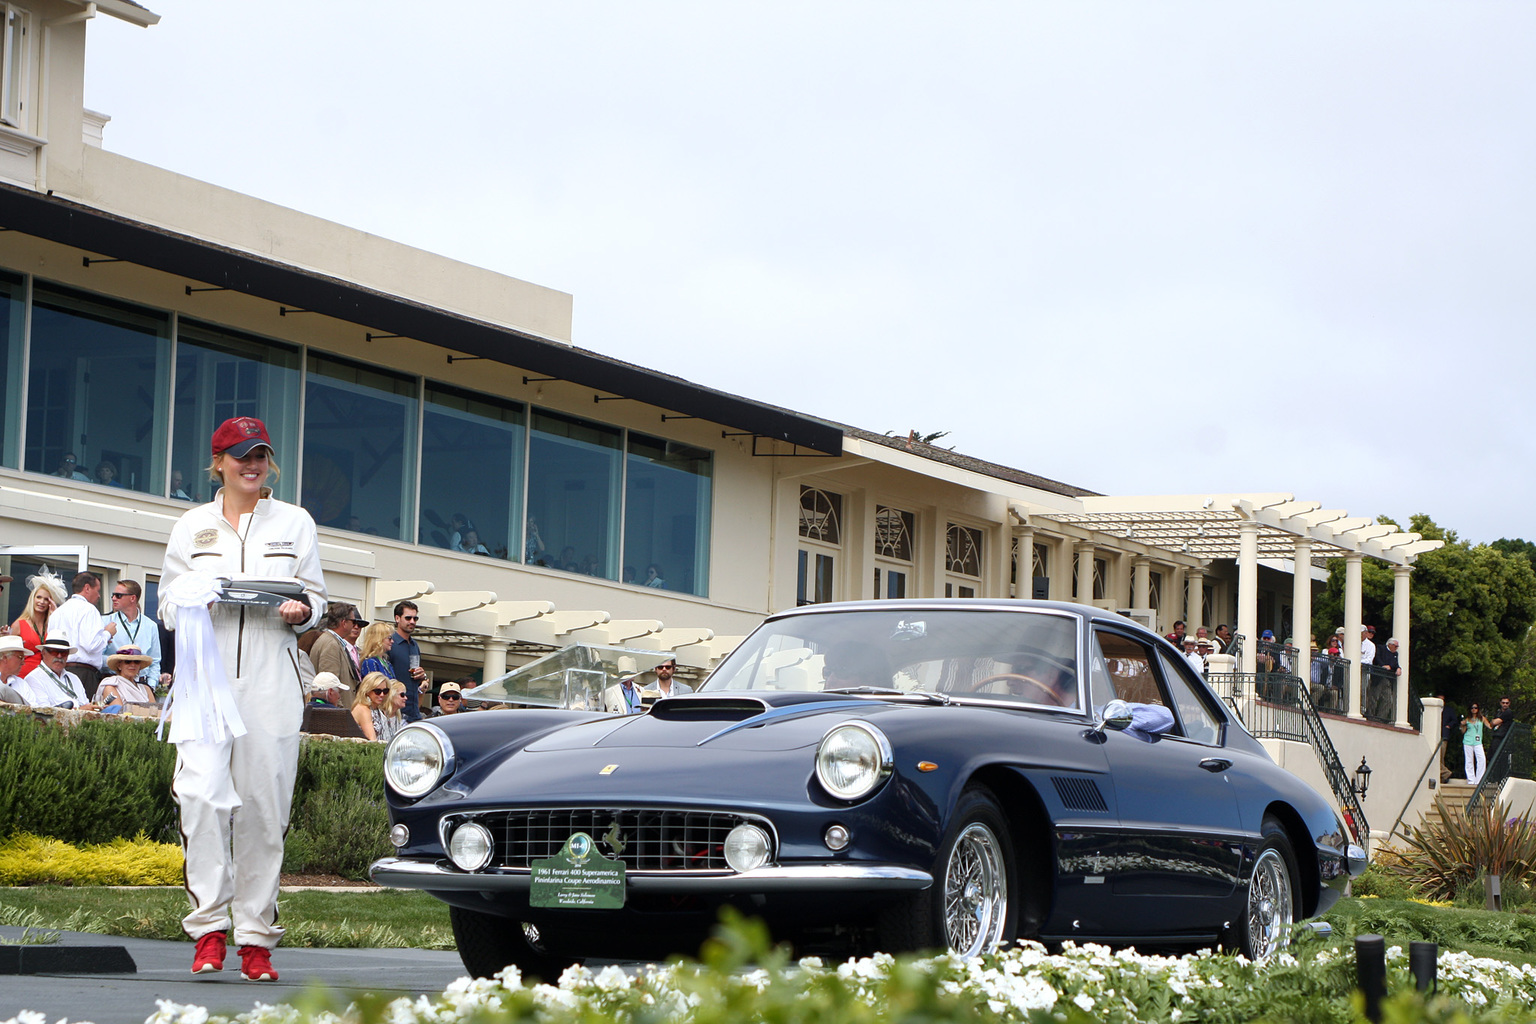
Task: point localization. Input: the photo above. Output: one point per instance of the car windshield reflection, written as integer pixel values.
(1022, 657)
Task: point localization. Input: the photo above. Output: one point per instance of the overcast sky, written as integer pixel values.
(1144, 249)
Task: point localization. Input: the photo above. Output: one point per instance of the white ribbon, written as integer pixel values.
(204, 704)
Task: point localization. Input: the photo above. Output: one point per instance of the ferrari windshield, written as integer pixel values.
(1026, 657)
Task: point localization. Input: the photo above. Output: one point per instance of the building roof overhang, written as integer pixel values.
(127, 10)
(1209, 526)
(204, 263)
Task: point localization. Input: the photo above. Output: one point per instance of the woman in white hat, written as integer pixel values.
(237, 731)
(47, 594)
(123, 687)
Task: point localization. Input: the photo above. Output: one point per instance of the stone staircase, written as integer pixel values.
(1454, 795)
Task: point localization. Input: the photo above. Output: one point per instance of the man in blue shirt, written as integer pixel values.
(405, 658)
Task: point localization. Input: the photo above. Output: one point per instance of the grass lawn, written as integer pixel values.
(1501, 934)
(392, 918)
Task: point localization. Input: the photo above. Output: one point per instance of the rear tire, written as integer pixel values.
(971, 908)
(488, 943)
(1269, 907)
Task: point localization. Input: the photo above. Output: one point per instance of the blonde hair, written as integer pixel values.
(49, 584)
(371, 681)
(396, 687)
(274, 471)
(372, 640)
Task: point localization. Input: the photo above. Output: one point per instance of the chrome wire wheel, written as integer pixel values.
(975, 892)
(1271, 906)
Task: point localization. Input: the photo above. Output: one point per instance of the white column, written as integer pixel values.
(1352, 563)
(1248, 593)
(1024, 583)
(1400, 629)
(1084, 573)
(495, 661)
(1173, 599)
(1194, 598)
(1301, 608)
(1141, 583)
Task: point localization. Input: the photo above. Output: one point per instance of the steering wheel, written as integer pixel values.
(1019, 677)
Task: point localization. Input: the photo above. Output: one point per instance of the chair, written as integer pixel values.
(329, 722)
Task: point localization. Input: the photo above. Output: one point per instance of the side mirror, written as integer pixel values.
(1116, 715)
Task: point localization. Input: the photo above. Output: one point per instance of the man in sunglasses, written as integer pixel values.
(135, 629)
(405, 658)
(333, 650)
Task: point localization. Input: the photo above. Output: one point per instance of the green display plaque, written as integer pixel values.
(579, 878)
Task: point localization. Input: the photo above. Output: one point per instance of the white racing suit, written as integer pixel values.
(235, 795)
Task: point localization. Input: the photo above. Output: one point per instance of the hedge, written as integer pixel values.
(88, 780)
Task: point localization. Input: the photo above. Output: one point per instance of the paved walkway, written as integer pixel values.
(164, 972)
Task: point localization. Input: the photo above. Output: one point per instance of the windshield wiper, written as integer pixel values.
(887, 691)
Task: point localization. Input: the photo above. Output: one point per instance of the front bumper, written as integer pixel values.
(400, 873)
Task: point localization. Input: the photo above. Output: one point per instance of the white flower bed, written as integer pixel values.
(1109, 985)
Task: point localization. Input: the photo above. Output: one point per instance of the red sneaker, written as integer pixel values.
(256, 964)
(210, 953)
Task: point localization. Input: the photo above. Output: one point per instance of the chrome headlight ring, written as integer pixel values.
(417, 760)
(853, 759)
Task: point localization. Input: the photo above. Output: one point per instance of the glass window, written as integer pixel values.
(359, 448)
(220, 375)
(667, 515)
(821, 515)
(13, 65)
(468, 511)
(13, 321)
(574, 469)
(814, 579)
(1200, 723)
(97, 390)
(1025, 658)
(963, 550)
(893, 533)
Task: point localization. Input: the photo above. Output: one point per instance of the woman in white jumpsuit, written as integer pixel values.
(235, 794)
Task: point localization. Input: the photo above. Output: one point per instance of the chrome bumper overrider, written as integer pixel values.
(417, 874)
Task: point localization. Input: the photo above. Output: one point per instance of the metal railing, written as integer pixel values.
(1295, 717)
(1328, 683)
(1379, 688)
(1511, 757)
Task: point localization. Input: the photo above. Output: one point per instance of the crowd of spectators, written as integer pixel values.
(125, 666)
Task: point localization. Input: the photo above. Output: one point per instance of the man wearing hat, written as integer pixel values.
(325, 690)
(1191, 653)
(12, 653)
(623, 699)
(51, 685)
(450, 701)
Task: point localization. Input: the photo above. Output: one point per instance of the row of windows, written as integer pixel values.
(127, 397)
(821, 518)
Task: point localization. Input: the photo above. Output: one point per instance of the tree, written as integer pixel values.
(1471, 612)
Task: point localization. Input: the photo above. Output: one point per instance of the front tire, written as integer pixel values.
(488, 943)
(1269, 910)
(971, 908)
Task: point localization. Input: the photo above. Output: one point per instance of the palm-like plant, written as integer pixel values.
(1443, 857)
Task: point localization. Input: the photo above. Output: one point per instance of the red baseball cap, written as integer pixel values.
(238, 436)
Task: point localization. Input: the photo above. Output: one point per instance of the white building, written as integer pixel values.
(411, 398)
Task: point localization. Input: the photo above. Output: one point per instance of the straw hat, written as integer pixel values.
(132, 654)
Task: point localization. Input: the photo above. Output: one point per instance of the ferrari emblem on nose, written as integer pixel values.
(609, 769)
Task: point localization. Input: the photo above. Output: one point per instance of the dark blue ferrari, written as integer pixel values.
(894, 775)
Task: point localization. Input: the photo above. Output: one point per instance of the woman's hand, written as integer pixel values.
(293, 612)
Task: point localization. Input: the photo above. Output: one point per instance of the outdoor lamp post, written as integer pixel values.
(1362, 778)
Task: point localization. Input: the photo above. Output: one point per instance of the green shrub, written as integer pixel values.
(1380, 882)
(96, 781)
(92, 783)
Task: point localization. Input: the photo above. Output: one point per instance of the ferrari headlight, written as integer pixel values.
(417, 759)
(853, 759)
(470, 846)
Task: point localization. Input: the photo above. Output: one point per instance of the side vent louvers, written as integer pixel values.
(1079, 794)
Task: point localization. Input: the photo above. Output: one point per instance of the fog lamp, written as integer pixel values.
(399, 836)
(470, 846)
(836, 837)
(746, 847)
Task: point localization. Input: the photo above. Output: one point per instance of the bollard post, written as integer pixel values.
(1491, 889)
(1371, 973)
(1423, 960)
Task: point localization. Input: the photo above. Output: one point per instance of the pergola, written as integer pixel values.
(1246, 528)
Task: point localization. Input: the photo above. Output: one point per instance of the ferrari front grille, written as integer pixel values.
(645, 840)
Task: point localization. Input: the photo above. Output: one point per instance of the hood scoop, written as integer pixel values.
(692, 708)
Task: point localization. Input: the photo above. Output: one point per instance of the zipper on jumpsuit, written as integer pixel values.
(240, 630)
